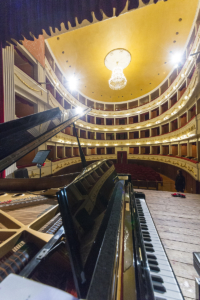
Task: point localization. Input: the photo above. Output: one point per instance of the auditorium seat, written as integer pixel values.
(138, 172)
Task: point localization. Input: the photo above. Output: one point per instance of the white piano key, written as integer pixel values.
(169, 295)
(169, 279)
(158, 261)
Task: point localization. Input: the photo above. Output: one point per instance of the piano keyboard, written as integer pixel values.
(164, 283)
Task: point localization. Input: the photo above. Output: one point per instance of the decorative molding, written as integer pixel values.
(184, 133)
(192, 168)
(28, 86)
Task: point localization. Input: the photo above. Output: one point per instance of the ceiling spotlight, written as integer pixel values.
(176, 58)
(79, 110)
(72, 83)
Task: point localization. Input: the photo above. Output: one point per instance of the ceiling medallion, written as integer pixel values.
(116, 61)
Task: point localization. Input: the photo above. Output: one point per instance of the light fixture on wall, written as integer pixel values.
(79, 110)
(72, 83)
(116, 61)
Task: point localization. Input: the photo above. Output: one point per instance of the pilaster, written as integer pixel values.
(9, 90)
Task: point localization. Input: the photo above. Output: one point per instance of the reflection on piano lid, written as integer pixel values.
(85, 207)
(19, 137)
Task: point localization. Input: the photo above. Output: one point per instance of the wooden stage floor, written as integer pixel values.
(178, 223)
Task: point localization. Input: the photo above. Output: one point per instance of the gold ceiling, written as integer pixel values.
(148, 33)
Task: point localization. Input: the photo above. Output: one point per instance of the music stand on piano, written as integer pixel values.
(40, 158)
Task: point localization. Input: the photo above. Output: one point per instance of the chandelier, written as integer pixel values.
(117, 60)
(117, 81)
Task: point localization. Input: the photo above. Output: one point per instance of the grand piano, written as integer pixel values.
(93, 238)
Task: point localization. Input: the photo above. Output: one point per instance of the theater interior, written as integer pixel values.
(99, 112)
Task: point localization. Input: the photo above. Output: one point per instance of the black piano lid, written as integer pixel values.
(96, 217)
(21, 136)
(27, 122)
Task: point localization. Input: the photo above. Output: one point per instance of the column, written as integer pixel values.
(72, 151)
(139, 149)
(86, 150)
(7, 92)
(179, 149)
(54, 91)
(8, 83)
(138, 118)
(55, 152)
(161, 149)
(178, 95)
(63, 152)
(170, 126)
(40, 107)
(188, 112)
(41, 74)
(42, 147)
(114, 135)
(198, 150)
(62, 102)
(198, 106)
(187, 81)
(178, 122)
(151, 149)
(159, 110)
(170, 149)
(188, 148)
(105, 151)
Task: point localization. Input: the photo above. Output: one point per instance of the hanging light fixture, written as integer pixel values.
(117, 81)
(116, 61)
